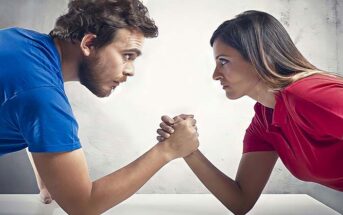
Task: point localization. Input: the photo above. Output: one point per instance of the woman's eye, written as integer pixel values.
(223, 61)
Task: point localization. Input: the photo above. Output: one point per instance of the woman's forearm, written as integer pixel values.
(223, 187)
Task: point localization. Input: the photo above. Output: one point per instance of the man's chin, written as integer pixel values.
(100, 93)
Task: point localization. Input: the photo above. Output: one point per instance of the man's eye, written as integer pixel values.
(129, 57)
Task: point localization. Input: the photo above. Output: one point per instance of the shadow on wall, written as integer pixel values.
(16, 174)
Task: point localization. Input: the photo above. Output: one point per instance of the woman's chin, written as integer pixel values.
(232, 96)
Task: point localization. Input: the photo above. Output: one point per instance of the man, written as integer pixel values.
(95, 43)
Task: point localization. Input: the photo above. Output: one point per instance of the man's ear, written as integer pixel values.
(87, 44)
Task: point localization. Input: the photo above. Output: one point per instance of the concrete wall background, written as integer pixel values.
(174, 76)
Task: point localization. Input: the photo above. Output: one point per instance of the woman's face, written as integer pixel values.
(237, 76)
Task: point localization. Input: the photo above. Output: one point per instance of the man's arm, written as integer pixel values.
(66, 174)
(241, 194)
(67, 178)
(45, 196)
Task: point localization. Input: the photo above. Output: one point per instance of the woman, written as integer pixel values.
(298, 114)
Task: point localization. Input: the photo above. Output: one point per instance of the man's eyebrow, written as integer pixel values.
(137, 51)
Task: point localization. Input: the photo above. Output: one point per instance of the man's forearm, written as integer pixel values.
(112, 189)
(40, 183)
(67, 178)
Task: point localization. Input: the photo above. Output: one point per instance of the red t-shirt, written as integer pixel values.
(305, 128)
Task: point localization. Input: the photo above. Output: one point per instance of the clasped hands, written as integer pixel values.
(179, 135)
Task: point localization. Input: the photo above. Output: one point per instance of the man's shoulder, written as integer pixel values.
(17, 32)
(15, 38)
(28, 59)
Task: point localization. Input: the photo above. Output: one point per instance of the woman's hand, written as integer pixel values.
(166, 126)
(178, 135)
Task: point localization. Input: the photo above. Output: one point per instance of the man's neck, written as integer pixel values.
(70, 57)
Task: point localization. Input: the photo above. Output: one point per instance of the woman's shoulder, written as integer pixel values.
(322, 92)
(316, 104)
(314, 86)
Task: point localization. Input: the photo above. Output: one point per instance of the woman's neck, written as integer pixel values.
(263, 95)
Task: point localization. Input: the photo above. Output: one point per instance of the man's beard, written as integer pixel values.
(89, 77)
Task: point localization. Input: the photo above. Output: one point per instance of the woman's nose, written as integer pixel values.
(216, 75)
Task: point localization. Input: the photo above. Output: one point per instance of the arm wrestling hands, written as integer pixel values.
(105, 192)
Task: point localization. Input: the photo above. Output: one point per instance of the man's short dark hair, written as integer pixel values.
(103, 18)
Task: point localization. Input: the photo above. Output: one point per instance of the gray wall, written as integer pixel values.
(16, 174)
(174, 76)
(339, 25)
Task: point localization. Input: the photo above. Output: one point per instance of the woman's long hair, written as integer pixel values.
(263, 41)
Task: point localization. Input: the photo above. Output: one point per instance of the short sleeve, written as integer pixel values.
(45, 119)
(255, 135)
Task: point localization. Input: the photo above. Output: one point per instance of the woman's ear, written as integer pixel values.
(87, 44)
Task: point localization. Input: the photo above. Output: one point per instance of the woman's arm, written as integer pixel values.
(238, 195)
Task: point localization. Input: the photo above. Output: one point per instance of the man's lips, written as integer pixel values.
(115, 84)
(224, 85)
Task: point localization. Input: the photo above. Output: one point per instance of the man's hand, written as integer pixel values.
(166, 126)
(179, 135)
(45, 196)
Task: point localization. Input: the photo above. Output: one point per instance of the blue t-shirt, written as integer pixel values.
(34, 109)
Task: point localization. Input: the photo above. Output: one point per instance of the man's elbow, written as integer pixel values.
(81, 210)
(80, 205)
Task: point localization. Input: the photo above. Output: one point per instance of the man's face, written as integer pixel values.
(105, 68)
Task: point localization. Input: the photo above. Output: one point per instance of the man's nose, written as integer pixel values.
(129, 70)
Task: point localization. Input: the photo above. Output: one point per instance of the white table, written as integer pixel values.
(174, 204)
